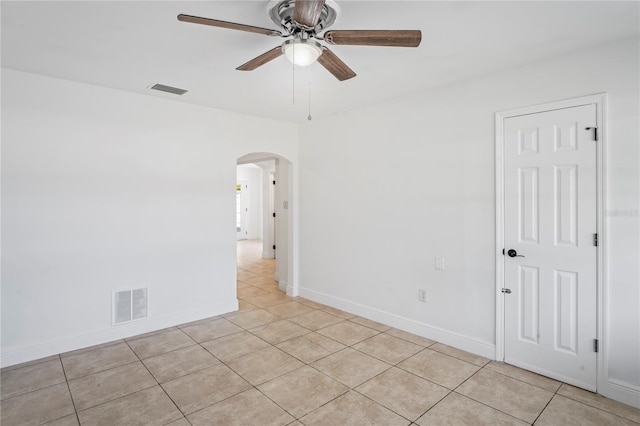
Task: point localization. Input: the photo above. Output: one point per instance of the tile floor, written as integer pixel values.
(281, 361)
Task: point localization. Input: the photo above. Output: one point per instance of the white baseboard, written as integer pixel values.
(622, 392)
(30, 353)
(465, 343)
(268, 254)
(282, 285)
(291, 292)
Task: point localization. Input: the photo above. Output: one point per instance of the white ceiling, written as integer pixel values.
(131, 45)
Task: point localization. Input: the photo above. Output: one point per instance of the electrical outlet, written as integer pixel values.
(422, 295)
(439, 263)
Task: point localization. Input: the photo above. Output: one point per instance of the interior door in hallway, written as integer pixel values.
(242, 207)
(550, 274)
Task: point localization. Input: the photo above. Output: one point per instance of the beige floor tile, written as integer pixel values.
(71, 420)
(28, 363)
(246, 275)
(516, 398)
(388, 348)
(310, 303)
(180, 422)
(37, 407)
(348, 333)
(272, 288)
(198, 390)
(337, 312)
(402, 392)
(409, 337)
(302, 390)
(211, 330)
(31, 377)
(160, 343)
(457, 353)
(371, 324)
(351, 367)
(263, 365)
(250, 291)
(599, 401)
(353, 409)
(253, 318)
(268, 300)
(315, 320)
(242, 284)
(567, 412)
(244, 306)
(279, 331)
(105, 358)
(439, 368)
(524, 376)
(269, 285)
(235, 345)
(457, 410)
(311, 347)
(289, 309)
(105, 386)
(259, 278)
(248, 408)
(148, 407)
(179, 363)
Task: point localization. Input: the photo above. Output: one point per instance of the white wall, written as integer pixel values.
(387, 188)
(103, 190)
(253, 175)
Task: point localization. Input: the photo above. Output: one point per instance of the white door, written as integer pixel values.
(550, 253)
(242, 208)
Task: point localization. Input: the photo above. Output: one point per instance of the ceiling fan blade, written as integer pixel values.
(228, 25)
(398, 38)
(335, 66)
(307, 12)
(261, 60)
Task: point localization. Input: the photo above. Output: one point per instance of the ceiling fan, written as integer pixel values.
(302, 21)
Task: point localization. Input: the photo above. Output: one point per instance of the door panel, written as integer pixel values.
(550, 219)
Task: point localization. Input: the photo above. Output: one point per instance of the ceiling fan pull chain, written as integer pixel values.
(309, 116)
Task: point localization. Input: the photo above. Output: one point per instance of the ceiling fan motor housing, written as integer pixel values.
(281, 13)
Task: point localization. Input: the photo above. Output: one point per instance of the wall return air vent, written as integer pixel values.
(169, 89)
(129, 305)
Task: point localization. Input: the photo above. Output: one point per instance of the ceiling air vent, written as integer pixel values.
(169, 89)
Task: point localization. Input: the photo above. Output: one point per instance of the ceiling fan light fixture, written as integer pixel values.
(302, 52)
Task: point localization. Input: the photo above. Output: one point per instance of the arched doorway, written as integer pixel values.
(277, 195)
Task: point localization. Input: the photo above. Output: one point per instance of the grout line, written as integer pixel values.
(522, 381)
(157, 382)
(73, 402)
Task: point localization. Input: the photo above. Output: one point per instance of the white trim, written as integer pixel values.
(122, 331)
(622, 392)
(460, 341)
(600, 100)
(499, 152)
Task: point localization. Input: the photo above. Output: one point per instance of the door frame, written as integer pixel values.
(600, 101)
